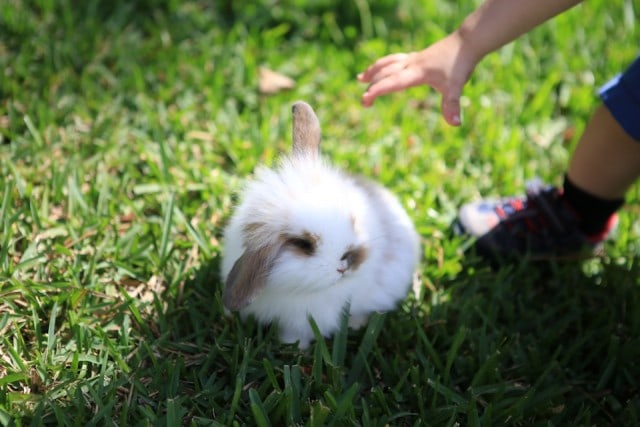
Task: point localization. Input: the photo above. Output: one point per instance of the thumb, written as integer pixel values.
(451, 106)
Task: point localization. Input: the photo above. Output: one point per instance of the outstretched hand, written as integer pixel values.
(443, 66)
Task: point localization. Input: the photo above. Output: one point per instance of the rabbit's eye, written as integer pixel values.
(354, 256)
(305, 246)
(348, 256)
(305, 243)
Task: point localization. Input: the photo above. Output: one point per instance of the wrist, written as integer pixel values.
(468, 48)
(466, 53)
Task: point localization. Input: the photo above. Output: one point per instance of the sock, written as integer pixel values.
(593, 212)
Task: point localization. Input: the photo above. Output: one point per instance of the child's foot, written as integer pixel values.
(538, 226)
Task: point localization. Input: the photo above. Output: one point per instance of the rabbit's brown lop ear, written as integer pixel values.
(247, 277)
(306, 130)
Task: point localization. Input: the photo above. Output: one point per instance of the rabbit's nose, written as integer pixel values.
(344, 266)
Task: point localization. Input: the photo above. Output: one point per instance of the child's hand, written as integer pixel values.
(443, 66)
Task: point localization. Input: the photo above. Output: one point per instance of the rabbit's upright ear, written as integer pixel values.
(248, 276)
(306, 130)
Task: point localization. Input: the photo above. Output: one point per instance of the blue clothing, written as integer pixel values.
(621, 95)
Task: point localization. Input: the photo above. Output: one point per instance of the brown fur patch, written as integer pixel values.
(304, 244)
(247, 277)
(306, 130)
(253, 227)
(355, 256)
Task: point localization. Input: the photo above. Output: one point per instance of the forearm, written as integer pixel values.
(447, 64)
(498, 22)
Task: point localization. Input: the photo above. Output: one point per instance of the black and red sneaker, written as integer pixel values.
(539, 225)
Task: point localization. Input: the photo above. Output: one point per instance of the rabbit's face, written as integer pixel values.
(319, 250)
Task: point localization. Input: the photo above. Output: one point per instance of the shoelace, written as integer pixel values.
(537, 211)
(544, 200)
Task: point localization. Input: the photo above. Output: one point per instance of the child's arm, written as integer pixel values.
(447, 64)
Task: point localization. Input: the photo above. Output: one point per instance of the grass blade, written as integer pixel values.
(339, 348)
(458, 339)
(167, 223)
(257, 408)
(51, 333)
(292, 392)
(360, 363)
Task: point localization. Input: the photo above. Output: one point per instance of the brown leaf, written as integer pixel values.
(271, 82)
(127, 218)
(201, 135)
(57, 213)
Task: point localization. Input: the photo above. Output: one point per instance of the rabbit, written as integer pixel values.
(310, 240)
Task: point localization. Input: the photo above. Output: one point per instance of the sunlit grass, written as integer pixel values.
(125, 131)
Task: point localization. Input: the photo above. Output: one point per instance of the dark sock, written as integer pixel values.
(593, 212)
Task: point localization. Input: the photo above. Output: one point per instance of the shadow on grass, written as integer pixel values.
(567, 334)
(522, 344)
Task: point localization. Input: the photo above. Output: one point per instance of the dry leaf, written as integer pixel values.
(271, 82)
(127, 218)
(57, 213)
(545, 134)
(200, 135)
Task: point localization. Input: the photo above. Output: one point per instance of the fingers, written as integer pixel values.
(392, 82)
(400, 71)
(368, 75)
(409, 77)
(451, 106)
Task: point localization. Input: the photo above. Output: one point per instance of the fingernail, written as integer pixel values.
(456, 120)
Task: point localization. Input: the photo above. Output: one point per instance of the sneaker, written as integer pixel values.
(538, 226)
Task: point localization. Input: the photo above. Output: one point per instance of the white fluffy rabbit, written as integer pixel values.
(308, 240)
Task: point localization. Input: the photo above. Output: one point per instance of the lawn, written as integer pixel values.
(126, 131)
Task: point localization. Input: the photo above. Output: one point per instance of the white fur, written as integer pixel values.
(306, 194)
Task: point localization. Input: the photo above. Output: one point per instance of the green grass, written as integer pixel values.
(126, 129)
